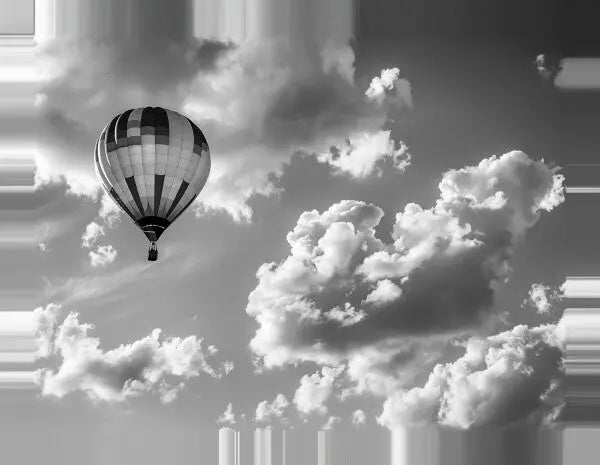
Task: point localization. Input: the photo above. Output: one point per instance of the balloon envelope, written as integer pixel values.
(153, 162)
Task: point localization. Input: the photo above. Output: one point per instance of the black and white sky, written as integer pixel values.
(381, 240)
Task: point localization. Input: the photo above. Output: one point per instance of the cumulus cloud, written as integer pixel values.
(103, 255)
(227, 417)
(385, 291)
(268, 412)
(258, 102)
(366, 154)
(358, 417)
(315, 390)
(544, 299)
(45, 320)
(387, 310)
(389, 80)
(92, 232)
(504, 378)
(257, 120)
(145, 366)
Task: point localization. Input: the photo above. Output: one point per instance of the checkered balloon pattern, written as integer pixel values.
(153, 162)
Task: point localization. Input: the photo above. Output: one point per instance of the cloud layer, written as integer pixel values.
(387, 310)
(258, 102)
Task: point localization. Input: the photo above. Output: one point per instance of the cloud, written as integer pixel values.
(45, 320)
(544, 299)
(92, 232)
(109, 215)
(227, 417)
(258, 103)
(169, 393)
(104, 288)
(389, 80)
(500, 379)
(332, 422)
(358, 417)
(385, 291)
(109, 62)
(315, 390)
(144, 366)
(268, 412)
(388, 309)
(263, 103)
(109, 212)
(365, 155)
(547, 68)
(103, 255)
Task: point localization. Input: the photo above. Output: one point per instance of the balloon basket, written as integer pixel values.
(153, 252)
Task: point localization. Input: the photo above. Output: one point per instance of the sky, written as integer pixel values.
(17, 17)
(380, 243)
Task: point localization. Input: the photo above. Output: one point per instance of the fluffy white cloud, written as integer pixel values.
(364, 155)
(388, 310)
(315, 390)
(385, 291)
(103, 255)
(358, 417)
(227, 417)
(268, 412)
(258, 103)
(389, 80)
(109, 215)
(502, 378)
(543, 298)
(127, 371)
(45, 319)
(92, 232)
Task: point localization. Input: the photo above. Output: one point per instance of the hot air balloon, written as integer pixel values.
(153, 162)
